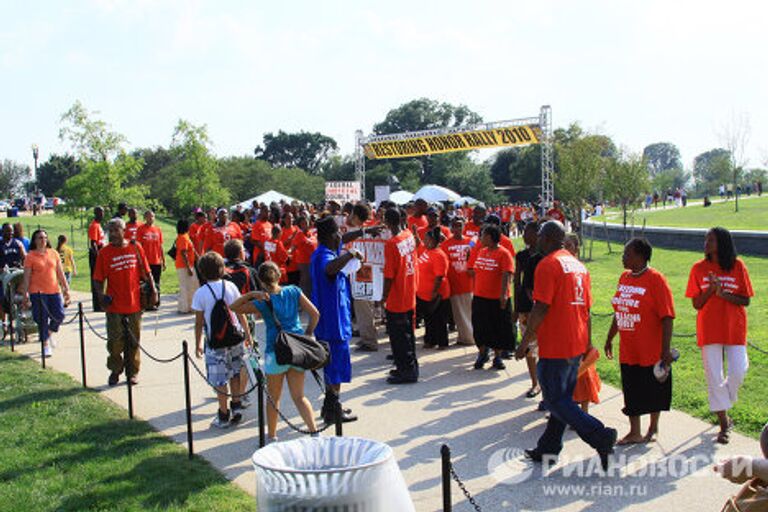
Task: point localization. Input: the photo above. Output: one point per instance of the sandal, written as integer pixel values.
(723, 437)
(533, 392)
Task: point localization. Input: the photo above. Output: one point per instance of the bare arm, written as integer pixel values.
(436, 287)
(385, 291)
(538, 313)
(335, 266)
(666, 338)
(504, 298)
(199, 321)
(314, 315)
(739, 300)
(244, 304)
(614, 329)
(62, 280)
(25, 286)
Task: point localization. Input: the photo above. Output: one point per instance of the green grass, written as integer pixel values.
(58, 224)
(689, 388)
(752, 215)
(65, 448)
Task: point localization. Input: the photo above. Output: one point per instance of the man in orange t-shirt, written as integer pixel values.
(218, 234)
(118, 263)
(457, 248)
(399, 298)
(473, 227)
(96, 240)
(260, 232)
(196, 232)
(132, 226)
(151, 239)
(560, 322)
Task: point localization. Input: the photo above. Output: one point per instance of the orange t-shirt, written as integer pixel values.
(400, 267)
(217, 236)
(471, 229)
(304, 245)
(285, 238)
(640, 303)
(556, 214)
(423, 230)
(432, 263)
(563, 283)
(43, 278)
(506, 214)
(96, 234)
(506, 243)
(197, 234)
(151, 240)
(490, 266)
(184, 243)
(131, 228)
(458, 258)
(119, 266)
(720, 321)
(260, 232)
(419, 222)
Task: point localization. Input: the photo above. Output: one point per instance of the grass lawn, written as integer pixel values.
(689, 388)
(65, 448)
(57, 224)
(752, 215)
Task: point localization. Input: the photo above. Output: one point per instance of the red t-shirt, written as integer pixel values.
(130, 230)
(275, 251)
(260, 232)
(285, 238)
(506, 243)
(506, 214)
(432, 263)
(304, 245)
(419, 222)
(423, 230)
(151, 240)
(490, 266)
(720, 321)
(217, 236)
(640, 304)
(563, 283)
(556, 214)
(96, 234)
(196, 234)
(400, 267)
(458, 258)
(472, 230)
(119, 267)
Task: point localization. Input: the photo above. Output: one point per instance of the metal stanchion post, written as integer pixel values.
(445, 454)
(260, 405)
(82, 341)
(188, 396)
(128, 364)
(42, 348)
(339, 418)
(10, 330)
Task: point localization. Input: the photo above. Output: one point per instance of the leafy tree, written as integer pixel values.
(54, 172)
(339, 168)
(155, 160)
(755, 175)
(305, 150)
(662, 156)
(579, 174)
(471, 179)
(712, 169)
(670, 179)
(13, 175)
(90, 138)
(298, 183)
(199, 183)
(425, 114)
(626, 179)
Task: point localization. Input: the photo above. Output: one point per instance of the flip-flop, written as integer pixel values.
(723, 437)
(533, 393)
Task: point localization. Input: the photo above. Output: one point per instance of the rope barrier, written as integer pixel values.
(93, 329)
(157, 359)
(757, 348)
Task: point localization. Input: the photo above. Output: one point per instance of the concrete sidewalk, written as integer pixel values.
(482, 415)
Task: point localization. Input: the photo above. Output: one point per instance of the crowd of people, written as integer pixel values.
(349, 268)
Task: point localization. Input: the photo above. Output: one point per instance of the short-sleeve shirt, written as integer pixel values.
(43, 278)
(217, 236)
(419, 222)
(720, 321)
(96, 234)
(184, 243)
(304, 245)
(458, 257)
(287, 237)
(506, 243)
(11, 253)
(471, 229)
(67, 258)
(433, 263)
(523, 303)
(400, 267)
(261, 231)
(131, 229)
(490, 266)
(563, 283)
(640, 304)
(119, 266)
(330, 294)
(286, 306)
(151, 240)
(206, 296)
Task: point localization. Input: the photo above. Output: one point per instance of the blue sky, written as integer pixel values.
(640, 72)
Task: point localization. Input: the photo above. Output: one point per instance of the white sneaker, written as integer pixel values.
(52, 342)
(47, 351)
(218, 422)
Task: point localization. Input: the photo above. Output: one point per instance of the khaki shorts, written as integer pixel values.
(533, 346)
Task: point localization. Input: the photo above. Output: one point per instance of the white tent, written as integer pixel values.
(436, 193)
(468, 200)
(267, 197)
(400, 197)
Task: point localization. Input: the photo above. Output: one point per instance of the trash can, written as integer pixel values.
(13, 212)
(329, 474)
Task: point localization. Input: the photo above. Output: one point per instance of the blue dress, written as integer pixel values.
(286, 306)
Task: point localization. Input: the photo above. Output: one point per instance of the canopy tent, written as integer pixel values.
(436, 193)
(468, 200)
(401, 197)
(268, 197)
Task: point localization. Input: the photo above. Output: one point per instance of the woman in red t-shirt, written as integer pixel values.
(303, 245)
(432, 290)
(644, 314)
(457, 248)
(491, 308)
(720, 289)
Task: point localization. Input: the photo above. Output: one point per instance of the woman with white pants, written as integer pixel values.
(720, 289)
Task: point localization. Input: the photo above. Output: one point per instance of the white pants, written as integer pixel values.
(724, 390)
(461, 306)
(188, 285)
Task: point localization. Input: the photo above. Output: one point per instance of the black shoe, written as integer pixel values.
(329, 417)
(235, 418)
(355, 333)
(366, 348)
(399, 379)
(507, 354)
(390, 357)
(536, 456)
(498, 364)
(429, 345)
(394, 371)
(606, 451)
(237, 406)
(482, 358)
(113, 379)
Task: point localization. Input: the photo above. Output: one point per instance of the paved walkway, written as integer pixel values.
(482, 415)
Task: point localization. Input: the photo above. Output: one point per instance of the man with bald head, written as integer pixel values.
(561, 323)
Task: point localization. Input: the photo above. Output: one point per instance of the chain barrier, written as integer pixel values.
(463, 488)
(93, 329)
(135, 343)
(757, 348)
(230, 395)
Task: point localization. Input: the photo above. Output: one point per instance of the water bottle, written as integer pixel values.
(661, 371)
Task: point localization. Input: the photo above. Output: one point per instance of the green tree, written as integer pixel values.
(54, 172)
(199, 183)
(13, 176)
(305, 150)
(626, 180)
(580, 171)
(712, 169)
(670, 179)
(662, 156)
(90, 138)
(471, 179)
(339, 168)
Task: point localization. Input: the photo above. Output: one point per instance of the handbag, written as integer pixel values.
(298, 350)
(172, 251)
(146, 288)
(752, 497)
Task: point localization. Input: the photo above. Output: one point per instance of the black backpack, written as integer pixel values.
(240, 276)
(223, 332)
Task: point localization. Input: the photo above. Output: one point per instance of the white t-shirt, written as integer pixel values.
(204, 300)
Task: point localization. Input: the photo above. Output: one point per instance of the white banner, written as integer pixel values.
(368, 282)
(381, 193)
(342, 191)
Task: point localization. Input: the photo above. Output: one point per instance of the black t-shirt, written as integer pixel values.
(523, 302)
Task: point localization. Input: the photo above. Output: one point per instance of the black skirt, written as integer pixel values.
(643, 394)
(491, 325)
